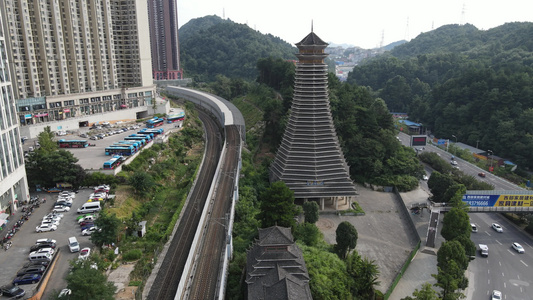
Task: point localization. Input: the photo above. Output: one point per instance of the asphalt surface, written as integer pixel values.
(15, 257)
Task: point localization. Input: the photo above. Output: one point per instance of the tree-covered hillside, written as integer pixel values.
(458, 80)
(211, 46)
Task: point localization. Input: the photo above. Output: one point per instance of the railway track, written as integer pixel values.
(205, 281)
(167, 280)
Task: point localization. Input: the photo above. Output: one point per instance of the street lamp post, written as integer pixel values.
(490, 151)
(455, 148)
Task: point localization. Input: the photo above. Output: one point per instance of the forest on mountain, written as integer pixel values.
(459, 80)
(211, 46)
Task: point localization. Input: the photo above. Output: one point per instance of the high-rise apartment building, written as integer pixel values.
(164, 39)
(13, 184)
(77, 61)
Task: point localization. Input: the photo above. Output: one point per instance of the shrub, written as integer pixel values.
(132, 255)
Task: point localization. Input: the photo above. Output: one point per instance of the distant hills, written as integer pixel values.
(459, 80)
(211, 46)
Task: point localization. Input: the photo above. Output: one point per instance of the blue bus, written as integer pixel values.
(150, 134)
(155, 131)
(136, 138)
(149, 137)
(136, 144)
(72, 143)
(155, 122)
(121, 144)
(114, 162)
(176, 117)
(117, 150)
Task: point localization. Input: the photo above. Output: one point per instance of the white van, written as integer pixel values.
(40, 256)
(73, 244)
(89, 207)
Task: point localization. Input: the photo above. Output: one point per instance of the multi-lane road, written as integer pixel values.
(504, 269)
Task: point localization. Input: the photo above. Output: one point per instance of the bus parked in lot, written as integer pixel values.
(136, 138)
(72, 143)
(155, 131)
(135, 144)
(148, 137)
(155, 122)
(176, 117)
(114, 162)
(116, 150)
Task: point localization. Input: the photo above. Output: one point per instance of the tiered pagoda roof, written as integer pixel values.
(310, 160)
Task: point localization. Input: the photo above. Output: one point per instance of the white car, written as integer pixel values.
(66, 199)
(86, 218)
(50, 222)
(496, 295)
(60, 208)
(453, 162)
(67, 194)
(53, 218)
(45, 241)
(497, 227)
(103, 187)
(425, 177)
(84, 253)
(54, 215)
(44, 250)
(89, 230)
(45, 227)
(518, 248)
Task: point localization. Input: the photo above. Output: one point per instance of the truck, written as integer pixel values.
(483, 250)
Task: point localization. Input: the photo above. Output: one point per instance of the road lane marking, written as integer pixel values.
(505, 284)
(498, 242)
(500, 263)
(512, 253)
(503, 275)
(527, 244)
(487, 233)
(524, 263)
(518, 277)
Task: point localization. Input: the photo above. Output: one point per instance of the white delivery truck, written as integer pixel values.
(483, 250)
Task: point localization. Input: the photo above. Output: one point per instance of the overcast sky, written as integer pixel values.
(360, 23)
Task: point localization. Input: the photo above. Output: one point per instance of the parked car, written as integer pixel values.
(453, 162)
(50, 222)
(518, 247)
(27, 279)
(94, 137)
(84, 216)
(45, 227)
(87, 218)
(54, 215)
(31, 270)
(89, 231)
(63, 203)
(425, 177)
(104, 187)
(84, 253)
(52, 218)
(60, 208)
(497, 227)
(87, 223)
(87, 226)
(481, 174)
(42, 245)
(45, 241)
(84, 135)
(61, 133)
(44, 250)
(36, 263)
(12, 291)
(64, 294)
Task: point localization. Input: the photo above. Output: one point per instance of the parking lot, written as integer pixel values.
(15, 257)
(93, 157)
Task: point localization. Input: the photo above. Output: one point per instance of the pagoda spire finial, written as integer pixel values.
(311, 25)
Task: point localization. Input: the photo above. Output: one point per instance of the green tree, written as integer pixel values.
(456, 223)
(87, 283)
(311, 210)
(308, 233)
(346, 237)
(364, 273)
(438, 184)
(468, 245)
(425, 293)
(450, 280)
(277, 206)
(50, 167)
(327, 272)
(46, 140)
(452, 250)
(107, 232)
(141, 182)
